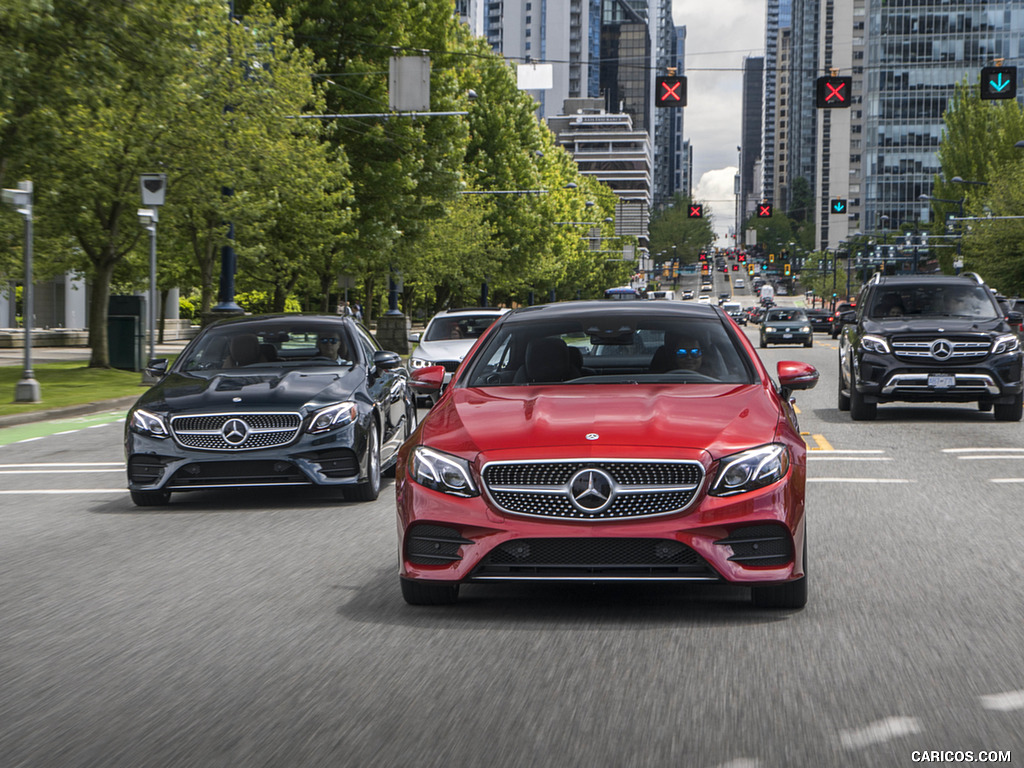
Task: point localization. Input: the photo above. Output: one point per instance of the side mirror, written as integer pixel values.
(795, 375)
(429, 380)
(157, 367)
(414, 338)
(848, 316)
(387, 360)
(1015, 318)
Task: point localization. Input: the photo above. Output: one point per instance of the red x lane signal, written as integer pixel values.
(696, 211)
(833, 92)
(670, 91)
(764, 210)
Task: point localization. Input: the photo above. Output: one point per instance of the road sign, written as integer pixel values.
(764, 210)
(998, 82)
(154, 188)
(838, 205)
(696, 211)
(834, 92)
(670, 91)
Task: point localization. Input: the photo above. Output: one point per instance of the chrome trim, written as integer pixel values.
(227, 416)
(970, 382)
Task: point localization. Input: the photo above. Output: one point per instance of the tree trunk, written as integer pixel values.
(99, 301)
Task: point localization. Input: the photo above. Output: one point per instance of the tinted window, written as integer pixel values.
(461, 327)
(970, 301)
(275, 344)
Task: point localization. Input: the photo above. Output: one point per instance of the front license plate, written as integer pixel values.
(787, 335)
(941, 382)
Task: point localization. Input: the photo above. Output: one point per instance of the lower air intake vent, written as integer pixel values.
(433, 545)
(760, 545)
(586, 559)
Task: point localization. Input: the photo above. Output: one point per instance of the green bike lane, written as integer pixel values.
(58, 426)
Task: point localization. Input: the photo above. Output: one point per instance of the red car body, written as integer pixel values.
(607, 434)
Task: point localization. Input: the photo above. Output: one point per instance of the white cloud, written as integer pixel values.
(715, 188)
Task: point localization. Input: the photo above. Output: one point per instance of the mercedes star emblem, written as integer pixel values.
(941, 349)
(235, 431)
(592, 436)
(591, 490)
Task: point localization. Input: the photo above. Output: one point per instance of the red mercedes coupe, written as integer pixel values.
(607, 442)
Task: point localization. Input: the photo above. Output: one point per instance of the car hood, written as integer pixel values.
(261, 390)
(454, 349)
(933, 324)
(719, 418)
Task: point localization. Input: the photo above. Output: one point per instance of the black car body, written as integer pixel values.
(250, 402)
(786, 325)
(821, 320)
(928, 338)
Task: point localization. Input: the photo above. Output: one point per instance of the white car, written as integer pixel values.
(704, 299)
(449, 336)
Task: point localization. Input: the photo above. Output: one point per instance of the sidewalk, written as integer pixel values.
(16, 357)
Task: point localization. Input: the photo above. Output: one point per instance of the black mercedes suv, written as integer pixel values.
(929, 338)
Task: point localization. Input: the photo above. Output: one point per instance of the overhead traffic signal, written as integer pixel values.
(838, 206)
(998, 82)
(696, 211)
(670, 91)
(833, 92)
(786, 270)
(764, 210)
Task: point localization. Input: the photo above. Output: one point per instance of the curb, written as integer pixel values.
(17, 419)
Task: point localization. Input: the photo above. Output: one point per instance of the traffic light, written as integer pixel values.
(998, 82)
(764, 210)
(771, 258)
(703, 256)
(786, 270)
(838, 206)
(743, 257)
(670, 91)
(764, 267)
(750, 269)
(735, 267)
(833, 92)
(696, 211)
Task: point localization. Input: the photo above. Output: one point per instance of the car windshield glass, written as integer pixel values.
(785, 315)
(598, 349)
(461, 327)
(945, 300)
(281, 344)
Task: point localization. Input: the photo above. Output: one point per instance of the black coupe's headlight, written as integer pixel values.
(149, 424)
(332, 416)
(752, 469)
(442, 472)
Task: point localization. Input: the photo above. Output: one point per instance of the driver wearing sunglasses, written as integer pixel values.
(329, 345)
(679, 352)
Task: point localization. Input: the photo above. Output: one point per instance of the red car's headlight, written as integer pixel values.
(442, 472)
(750, 470)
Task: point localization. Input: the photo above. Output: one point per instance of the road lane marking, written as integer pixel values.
(880, 732)
(877, 480)
(992, 457)
(1006, 480)
(65, 464)
(982, 450)
(819, 457)
(63, 491)
(822, 443)
(57, 471)
(1004, 702)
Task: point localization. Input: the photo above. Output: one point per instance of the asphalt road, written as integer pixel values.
(267, 629)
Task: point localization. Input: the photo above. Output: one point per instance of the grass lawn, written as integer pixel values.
(70, 383)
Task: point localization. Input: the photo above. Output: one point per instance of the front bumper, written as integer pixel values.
(881, 378)
(754, 538)
(334, 458)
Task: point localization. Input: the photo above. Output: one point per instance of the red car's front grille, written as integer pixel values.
(566, 489)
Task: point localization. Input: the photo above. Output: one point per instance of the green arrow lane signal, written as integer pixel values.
(998, 82)
(838, 205)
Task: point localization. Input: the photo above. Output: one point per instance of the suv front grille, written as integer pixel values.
(598, 489)
(952, 349)
(235, 431)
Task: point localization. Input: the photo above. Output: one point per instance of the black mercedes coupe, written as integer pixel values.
(271, 400)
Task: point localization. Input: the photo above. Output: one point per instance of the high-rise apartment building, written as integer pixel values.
(751, 118)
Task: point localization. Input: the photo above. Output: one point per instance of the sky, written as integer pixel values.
(719, 35)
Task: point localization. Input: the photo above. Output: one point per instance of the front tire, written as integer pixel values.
(427, 593)
(843, 399)
(1010, 411)
(150, 498)
(860, 410)
(369, 489)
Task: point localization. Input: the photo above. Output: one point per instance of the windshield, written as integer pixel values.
(461, 327)
(962, 301)
(277, 344)
(785, 315)
(593, 349)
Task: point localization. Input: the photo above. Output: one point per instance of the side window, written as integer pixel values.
(367, 343)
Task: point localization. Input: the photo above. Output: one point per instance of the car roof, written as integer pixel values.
(471, 311)
(596, 308)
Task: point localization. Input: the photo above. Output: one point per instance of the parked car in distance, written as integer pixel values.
(583, 441)
(821, 320)
(786, 325)
(449, 335)
(270, 401)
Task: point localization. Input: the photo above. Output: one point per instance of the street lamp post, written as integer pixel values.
(27, 389)
(958, 264)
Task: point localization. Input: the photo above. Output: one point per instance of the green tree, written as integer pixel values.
(672, 231)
